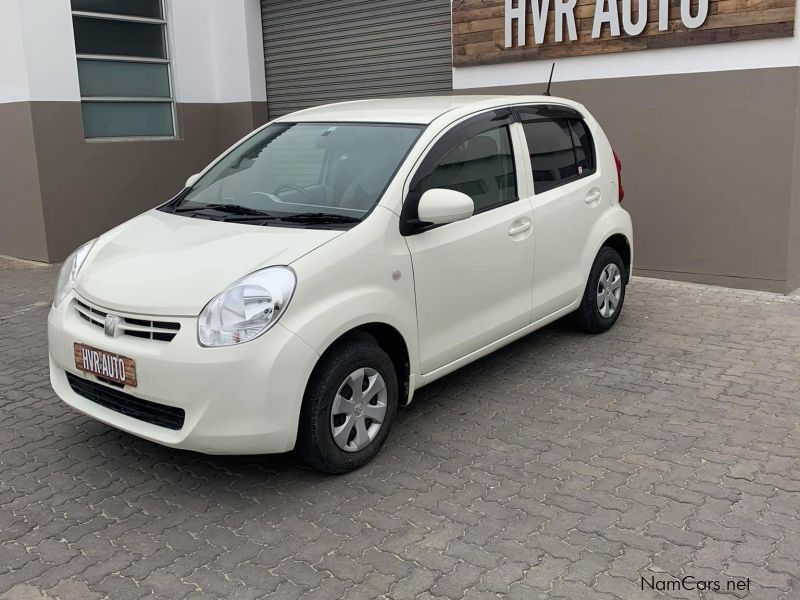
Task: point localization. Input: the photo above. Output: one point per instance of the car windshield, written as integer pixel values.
(302, 174)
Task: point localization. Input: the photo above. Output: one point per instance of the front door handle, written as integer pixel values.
(593, 196)
(515, 230)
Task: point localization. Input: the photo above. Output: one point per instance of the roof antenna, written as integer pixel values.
(550, 81)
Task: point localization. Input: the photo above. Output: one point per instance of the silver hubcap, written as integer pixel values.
(358, 410)
(609, 291)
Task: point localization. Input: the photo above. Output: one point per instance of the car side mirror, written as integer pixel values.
(440, 206)
(192, 180)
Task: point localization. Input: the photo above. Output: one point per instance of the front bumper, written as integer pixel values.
(243, 399)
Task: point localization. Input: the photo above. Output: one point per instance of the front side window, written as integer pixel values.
(561, 150)
(293, 172)
(482, 167)
(123, 68)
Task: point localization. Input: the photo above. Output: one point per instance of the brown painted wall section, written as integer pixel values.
(794, 220)
(709, 169)
(22, 232)
(73, 189)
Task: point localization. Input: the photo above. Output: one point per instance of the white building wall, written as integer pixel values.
(756, 54)
(13, 73)
(255, 50)
(38, 51)
(215, 49)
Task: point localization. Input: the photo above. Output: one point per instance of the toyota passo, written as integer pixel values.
(324, 269)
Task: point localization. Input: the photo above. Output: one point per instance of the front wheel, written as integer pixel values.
(349, 407)
(605, 292)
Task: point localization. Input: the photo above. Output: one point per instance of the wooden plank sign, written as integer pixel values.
(498, 31)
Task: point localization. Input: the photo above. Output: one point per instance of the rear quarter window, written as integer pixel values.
(561, 150)
(584, 147)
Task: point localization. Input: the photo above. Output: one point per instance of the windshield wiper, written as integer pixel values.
(230, 209)
(319, 218)
(242, 214)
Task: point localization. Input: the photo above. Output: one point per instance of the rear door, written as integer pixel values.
(567, 201)
(472, 278)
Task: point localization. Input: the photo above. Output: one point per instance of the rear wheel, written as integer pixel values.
(605, 292)
(349, 407)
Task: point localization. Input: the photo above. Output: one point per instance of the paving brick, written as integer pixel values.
(455, 584)
(587, 568)
(502, 577)
(549, 569)
(676, 535)
(420, 580)
(563, 466)
(715, 554)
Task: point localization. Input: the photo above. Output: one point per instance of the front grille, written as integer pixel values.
(125, 404)
(161, 331)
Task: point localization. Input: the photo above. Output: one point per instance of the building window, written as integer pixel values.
(123, 68)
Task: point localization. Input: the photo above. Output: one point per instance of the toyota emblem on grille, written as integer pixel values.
(110, 326)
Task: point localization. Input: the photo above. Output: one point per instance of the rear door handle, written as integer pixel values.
(593, 196)
(518, 229)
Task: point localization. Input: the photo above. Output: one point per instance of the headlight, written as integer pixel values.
(69, 271)
(247, 309)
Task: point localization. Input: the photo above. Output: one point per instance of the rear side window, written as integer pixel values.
(561, 150)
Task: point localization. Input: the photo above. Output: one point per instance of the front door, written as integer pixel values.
(473, 278)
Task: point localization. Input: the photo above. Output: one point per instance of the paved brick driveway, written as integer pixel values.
(564, 466)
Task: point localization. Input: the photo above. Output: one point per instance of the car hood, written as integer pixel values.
(164, 264)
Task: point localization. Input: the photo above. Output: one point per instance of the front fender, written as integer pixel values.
(327, 320)
(363, 276)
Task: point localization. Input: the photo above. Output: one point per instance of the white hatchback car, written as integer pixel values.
(333, 262)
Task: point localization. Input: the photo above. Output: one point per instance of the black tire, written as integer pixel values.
(588, 316)
(315, 442)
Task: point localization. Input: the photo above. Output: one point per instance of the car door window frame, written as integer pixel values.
(451, 139)
(552, 112)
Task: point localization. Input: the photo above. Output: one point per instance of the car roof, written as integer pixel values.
(421, 110)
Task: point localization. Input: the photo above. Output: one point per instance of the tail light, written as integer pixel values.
(619, 177)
